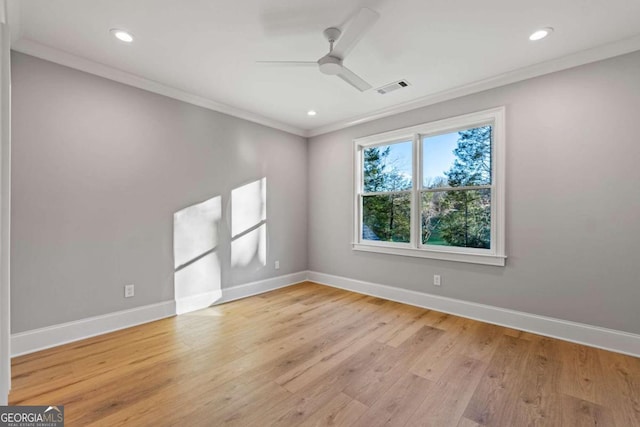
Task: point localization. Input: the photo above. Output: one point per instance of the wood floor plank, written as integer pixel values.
(622, 390)
(482, 341)
(319, 391)
(447, 400)
(535, 403)
(319, 364)
(398, 403)
(74, 377)
(436, 359)
(100, 396)
(578, 412)
(523, 335)
(494, 400)
(312, 355)
(234, 409)
(70, 353)
(406, 325)
(228, 404)
(392, 364)
(309, 320)
(340, 411)
(97, 362)
(582, 375)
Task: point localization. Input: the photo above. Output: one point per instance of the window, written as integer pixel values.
(387, 187)
(434, 190)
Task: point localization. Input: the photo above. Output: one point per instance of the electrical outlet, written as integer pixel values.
(129, 291)
(277, 265)
(436, 280)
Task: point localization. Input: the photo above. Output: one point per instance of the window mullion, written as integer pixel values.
(461, 188)
(386, 193)
(415, 199)
(359, 189)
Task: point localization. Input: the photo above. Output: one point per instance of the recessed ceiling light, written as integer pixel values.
(122, 35)
(540, 34)
(311, 113)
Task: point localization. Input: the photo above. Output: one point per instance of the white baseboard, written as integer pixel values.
(207, 299)
(52, 336)
(594, 336)
(261, 286)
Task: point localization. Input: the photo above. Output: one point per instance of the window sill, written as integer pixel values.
(485, 259)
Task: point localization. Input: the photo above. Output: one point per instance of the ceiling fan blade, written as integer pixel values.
(290, 63)
(353, 79)
(356, 29)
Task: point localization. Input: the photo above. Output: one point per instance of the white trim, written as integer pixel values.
(358, 159)
(587, 56)
(52, 336)
(415, 223)
(436, 127)
(473, 258)
(261, 286)
(57, 56)
(494, 117)
(207, 299)
(594, 336)
(5, 207)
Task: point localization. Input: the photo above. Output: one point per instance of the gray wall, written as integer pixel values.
(573, 200)
(99, 168)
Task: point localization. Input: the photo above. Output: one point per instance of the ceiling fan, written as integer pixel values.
(340, 44)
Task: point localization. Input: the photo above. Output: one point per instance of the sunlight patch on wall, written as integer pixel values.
(249, 224)
(196, 262)
(200, 277)
(248, 206)
(250, 246)
(195, 230)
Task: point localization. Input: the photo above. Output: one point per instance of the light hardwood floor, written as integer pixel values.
(311, 355)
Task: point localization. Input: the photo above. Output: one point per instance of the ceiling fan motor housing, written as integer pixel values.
(332, 34)
(330, 65)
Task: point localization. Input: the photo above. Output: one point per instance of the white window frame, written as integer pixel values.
(496, 254)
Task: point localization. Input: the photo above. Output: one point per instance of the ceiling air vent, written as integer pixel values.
(392, 86)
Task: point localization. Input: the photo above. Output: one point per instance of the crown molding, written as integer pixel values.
(57, 56)
(599, 53)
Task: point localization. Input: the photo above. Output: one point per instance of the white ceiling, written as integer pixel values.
(209, 48)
